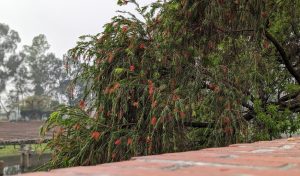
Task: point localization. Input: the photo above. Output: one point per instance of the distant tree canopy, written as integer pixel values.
(9, 60)
(32, 70)
(36, 107)
(45, 68)
(190, 74)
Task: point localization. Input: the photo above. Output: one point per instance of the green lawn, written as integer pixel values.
(10, 150)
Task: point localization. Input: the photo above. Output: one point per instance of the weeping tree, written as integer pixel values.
(183, 75)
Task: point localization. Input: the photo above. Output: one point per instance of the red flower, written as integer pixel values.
(129, 141)
(118, 142)
(226, 121)
(136, 104)
(211, 86)
(82, 104)
(182, 114)
(95, 135)
(266, 44)
(175, 97)
(116, 86)
(154, 104)
(221, 1)
(113, 155)
(228, 106)
(148, 139)
(132, 68)
(112, 89)
(124, 28)
(142, 46)
(110, 58)
(264, 14)
(217, 89)
(76, 126)
(153, 120)
(228, 130)
(60, 131)
(224, 69)
(150, 87)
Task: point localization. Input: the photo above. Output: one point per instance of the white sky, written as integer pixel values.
(62, 21)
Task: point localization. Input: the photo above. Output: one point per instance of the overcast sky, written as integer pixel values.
(62, 21)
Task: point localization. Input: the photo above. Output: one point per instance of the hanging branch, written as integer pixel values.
(284, 56)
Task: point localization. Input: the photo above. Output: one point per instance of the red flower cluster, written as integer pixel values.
(266, 44)
(110, 90)
(76, 126)
(129, 141)
(124, 28)
(110, 58)
(264, 14)
(142, 46)
(153, 120)
(95, 135)
(82, 104)
(132, 68)
(136, 104)
(214, 88)
(150, 87)
(154, 104)
(118, 142)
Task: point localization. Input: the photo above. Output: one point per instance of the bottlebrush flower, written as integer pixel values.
(154, 104)
(82, 104)
(95, 135)
(148, 139)
(182, 114)
(132, 68)
(266, 44)
(150, 87)
(153, 120)
(129, 141)
(142, 46)
(60, 131)
(264, 14)
(76, 126)
(113, 155)
(124, 28)
(118, 142)
(136, 104)
(110, 58)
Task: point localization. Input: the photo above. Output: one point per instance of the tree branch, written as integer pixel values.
(284, 56)
(198, 124)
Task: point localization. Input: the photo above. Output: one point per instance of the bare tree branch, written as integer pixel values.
(284, 56)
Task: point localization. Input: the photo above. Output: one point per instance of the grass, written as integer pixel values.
(11, 150)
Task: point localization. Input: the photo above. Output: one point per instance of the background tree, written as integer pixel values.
(36, 107)
(190, 74)
(45, 68)
(9, 60)
(69, 91)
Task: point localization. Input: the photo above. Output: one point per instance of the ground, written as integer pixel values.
(12, 131)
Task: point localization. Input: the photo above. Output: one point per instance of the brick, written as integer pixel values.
(265, 158)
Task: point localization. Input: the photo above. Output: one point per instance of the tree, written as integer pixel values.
(45, 68)
(9, 60)
(191, 74)
(35, 107)
(68, 90)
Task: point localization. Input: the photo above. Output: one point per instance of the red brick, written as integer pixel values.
(266, 158)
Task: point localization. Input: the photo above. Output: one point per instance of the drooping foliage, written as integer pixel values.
(184, 74)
